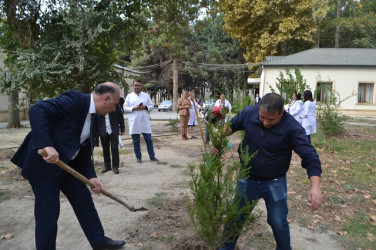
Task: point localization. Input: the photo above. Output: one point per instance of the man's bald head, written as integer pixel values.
(107, 87)
(106, 97)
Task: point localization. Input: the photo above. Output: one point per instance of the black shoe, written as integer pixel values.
(105, 169)
(110, 244)
(154, 159)
(139, 160)
(116, 170)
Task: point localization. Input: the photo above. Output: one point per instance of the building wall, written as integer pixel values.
(345, 81)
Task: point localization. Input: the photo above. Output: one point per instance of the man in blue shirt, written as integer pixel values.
(272, 134)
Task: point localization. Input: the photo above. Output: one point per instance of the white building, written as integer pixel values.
(349, 72)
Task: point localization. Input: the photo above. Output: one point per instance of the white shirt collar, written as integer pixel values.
(92, 106)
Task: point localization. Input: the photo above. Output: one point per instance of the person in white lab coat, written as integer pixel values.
(309, 114)
(222, 102)
(137, 105)
(296, 107)
(192, 122)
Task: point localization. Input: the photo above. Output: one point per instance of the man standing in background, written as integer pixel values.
(137, 105)
(109, 127)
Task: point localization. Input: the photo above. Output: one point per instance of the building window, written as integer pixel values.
(324, 91)
(365, 92)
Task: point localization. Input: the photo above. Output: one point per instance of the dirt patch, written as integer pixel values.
(6, 154)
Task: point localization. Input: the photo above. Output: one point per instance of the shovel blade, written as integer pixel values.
(139, 209)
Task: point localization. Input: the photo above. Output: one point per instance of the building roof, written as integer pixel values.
(344, 57)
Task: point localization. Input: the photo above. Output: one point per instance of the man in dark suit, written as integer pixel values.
(109, 126)
(65, 127)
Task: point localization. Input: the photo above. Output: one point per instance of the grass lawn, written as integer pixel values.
(348, 186)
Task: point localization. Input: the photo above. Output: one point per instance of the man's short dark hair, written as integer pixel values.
(104, 88)
(271, 103)
(137, 80)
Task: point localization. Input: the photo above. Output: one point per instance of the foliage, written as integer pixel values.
(74, 43)
(174, 124)
(287, 86)
(242, 99)
(269, 27)
(327, 113)
(213, 186)
(166, 39)
(204, 44)
(219, 48)
(354, 21)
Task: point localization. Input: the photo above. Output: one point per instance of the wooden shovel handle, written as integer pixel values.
(85, 180)
(199, 125)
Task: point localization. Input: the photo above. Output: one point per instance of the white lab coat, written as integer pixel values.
(138, 120)
(192, 114)
(218, 103)
(296, 110)
(309, 117)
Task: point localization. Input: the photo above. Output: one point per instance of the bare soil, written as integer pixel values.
(161, 187)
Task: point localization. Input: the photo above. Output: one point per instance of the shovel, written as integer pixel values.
(79, 176)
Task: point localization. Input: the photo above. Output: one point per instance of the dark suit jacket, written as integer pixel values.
(116, 120)
(57, 122)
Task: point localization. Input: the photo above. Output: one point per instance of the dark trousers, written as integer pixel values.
(113, 141)
(47, 209)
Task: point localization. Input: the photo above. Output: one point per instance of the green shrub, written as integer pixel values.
(328, 116)
(213, 186)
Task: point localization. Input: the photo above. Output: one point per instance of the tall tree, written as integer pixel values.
(66, 44)
(220, 49)
(169, 28)
(349, 24)
(268, 27)
(18, 29)
(320, 10)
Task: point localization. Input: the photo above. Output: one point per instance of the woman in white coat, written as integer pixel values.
(192, 122)
(296, 107)
(309, 114)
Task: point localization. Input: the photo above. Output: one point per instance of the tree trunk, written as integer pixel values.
(175, 84)
(338, 28)
(316, 22)
(284, 48)
(13, 110)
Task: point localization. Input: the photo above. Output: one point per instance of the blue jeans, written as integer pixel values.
(149, 145)
(274, 192)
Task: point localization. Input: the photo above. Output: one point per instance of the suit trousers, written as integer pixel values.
(47, 210)
(113, 141)
(184, 124)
